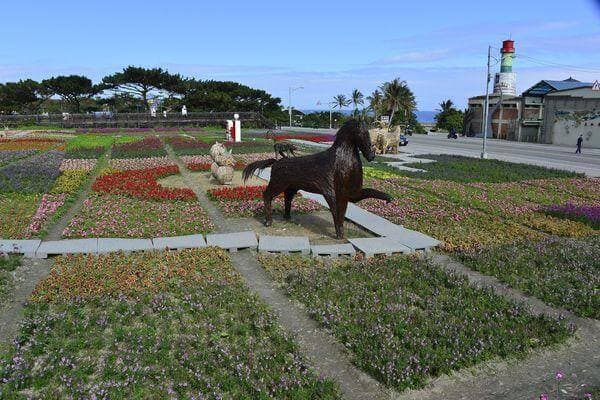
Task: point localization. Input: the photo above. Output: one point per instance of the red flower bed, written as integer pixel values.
(149, 143)
(186, 143)
(237, 193)
(142, 184)
(310, 138)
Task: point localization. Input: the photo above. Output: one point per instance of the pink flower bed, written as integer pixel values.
(127, 164)
(199, 159)
(48, 206)
(86, 164)
(249, 208)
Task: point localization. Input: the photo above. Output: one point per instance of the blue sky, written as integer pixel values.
(328, 47)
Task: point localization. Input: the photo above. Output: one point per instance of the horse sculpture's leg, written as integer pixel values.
(289, 195)
(371, 194)
(337, 207)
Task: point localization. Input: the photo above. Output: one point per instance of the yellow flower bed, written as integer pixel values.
(69, 181)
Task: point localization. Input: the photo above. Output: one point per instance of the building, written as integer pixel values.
(505, 119)
(558, 112)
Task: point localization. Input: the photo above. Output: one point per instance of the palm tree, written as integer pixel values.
(397, 96)
(375, 101)
(340, 101)
(446, 105)
(357, 99)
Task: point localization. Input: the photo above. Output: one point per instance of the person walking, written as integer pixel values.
(579, 143)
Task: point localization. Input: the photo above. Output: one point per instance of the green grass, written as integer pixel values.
(560, 271)
(467, 169)
(92, 141)
(189, 328)
(7, 265)
(406, 321)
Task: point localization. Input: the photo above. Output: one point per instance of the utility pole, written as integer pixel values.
(330, 111)
(487, 103)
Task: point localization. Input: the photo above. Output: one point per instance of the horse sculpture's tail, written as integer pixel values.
(250, 168)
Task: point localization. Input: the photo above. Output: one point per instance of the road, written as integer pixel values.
(546, 155)
(559, 157)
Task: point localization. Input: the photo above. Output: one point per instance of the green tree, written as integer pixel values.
(357, 98)
(375, 102)
(397, 96)
(448, 117)
(24, 96)
(72, 89)
(340, 101)
(140, 82)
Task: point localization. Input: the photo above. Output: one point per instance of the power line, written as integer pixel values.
(539, 61)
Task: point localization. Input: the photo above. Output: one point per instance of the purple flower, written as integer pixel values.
(544, 396)
(559, 375)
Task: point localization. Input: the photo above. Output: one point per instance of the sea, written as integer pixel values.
(422, 116)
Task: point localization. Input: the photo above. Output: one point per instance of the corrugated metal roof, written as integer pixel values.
(547, 86)
(568, 84)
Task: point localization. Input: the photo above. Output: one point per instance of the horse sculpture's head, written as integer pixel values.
(358, 135)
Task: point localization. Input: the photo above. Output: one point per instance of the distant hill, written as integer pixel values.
(422, 116)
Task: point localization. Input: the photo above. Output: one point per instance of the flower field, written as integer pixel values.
(9, 156)
(479, 210)
(589, 215)
(85, 164)
(49, 204)
(142, 184)
(186, 146)
(246, 201)
(31, 175)
(31, 144)
(106, 215)
(16, 212)
(153, 325)
(144, 148)
(124, 164)
(563, 272)
(406, 321)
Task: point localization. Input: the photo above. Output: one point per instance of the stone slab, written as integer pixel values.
(110, 245)
(264, 174)
(179, 242)
(332, 250)
(68, 246)
(379, 245)
(25, 247)
(284, 244)
(233, 241)
(413, 239)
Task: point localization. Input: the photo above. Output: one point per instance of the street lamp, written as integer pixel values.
(486, 104)
(290, 101)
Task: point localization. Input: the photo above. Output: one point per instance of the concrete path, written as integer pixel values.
(25, 278)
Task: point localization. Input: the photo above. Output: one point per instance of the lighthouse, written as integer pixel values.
(505, 81)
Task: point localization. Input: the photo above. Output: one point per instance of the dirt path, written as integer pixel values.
(321, 351)
(56, 230)
(25, 278)
(579, 358)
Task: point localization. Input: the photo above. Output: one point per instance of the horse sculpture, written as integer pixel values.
(336, 173)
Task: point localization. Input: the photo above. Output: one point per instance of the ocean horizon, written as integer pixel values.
(422, 116)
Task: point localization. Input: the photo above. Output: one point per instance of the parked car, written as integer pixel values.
(403, 141)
